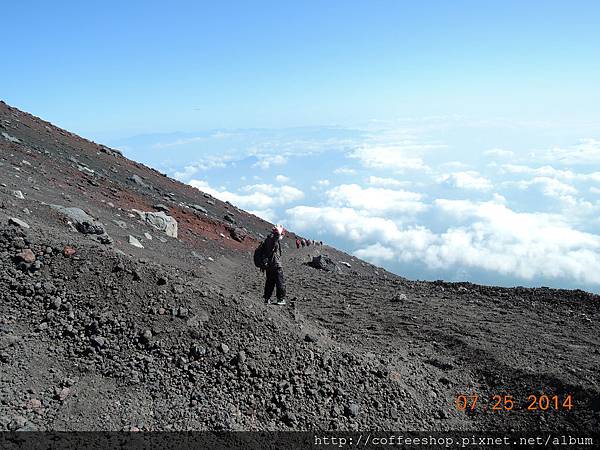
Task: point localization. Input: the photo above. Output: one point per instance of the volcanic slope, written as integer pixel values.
(108, 321)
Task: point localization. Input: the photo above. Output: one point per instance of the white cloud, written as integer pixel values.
(587, 151)
(348, 223)
(208, 164)
(178, 142)
(260, 197)
(382, 181)
(402, 157)
(485, 235)
(499, 153)
(376, 199)
(551, 187)
(344, 171)
(376, 253)
(282, 179)
(266, 161)
(549, 171)
(323, 182)
(266, 214)
(525, 245)
(466, 180)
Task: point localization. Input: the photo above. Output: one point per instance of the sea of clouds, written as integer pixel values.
(494, 202)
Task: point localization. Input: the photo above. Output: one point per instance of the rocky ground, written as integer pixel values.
(129, 301)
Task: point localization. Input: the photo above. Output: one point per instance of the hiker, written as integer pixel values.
(297, 243)
(308, 242)
(303, 243)
(274, 268)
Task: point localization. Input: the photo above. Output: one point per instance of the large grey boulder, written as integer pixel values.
(160, 221)
(82, 221)
(323, 262)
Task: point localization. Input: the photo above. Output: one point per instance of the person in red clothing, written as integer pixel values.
(297, 243)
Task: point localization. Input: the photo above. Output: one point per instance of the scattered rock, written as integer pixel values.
(148, 236)
(229, 218)
(61, 393)
(26, 256)
(398, 298)
(33, 403)
(18, 222)
(82, 221)
(199, 209)
(138, 180)
(323, 262)
(310, 338)
(10, 138)
(239, 234)
(68, 252)
(224, 348)
(160, 221)
(197, 351)
(133, 241)
(161, 207)
(240, 358)
(145, 336)
(18, 194)
(98, 341)
(351, 410)
(289, 419)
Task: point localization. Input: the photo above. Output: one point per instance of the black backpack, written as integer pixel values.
(261, 259)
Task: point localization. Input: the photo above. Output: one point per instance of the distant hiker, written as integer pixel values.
(303, 243)
(297, 243)
(308, 242)
(320, 242)
(268, 257)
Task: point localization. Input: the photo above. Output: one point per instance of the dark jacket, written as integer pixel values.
(273, 251)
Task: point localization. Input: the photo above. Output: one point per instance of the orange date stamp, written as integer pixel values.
(535, 403)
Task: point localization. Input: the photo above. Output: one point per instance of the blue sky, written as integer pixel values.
(456, 140)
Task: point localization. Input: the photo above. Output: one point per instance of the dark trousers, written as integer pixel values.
(275, 278)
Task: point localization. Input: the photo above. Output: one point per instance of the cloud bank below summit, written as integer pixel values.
(420, 201)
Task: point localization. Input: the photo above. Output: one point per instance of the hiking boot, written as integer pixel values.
(267, 301)
(281, 302)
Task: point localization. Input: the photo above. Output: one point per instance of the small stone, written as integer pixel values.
(351, 410)
(68, 252)
(197, 351)
(289, 419)
(162, 280)
(18, 194)
(240, 358)
(399, 298)
(133, 241)
(182, 312)
(161, 207)
(98, 341)
(61, 394)
(310, 338)
(26, 256)
(148, 236)
(33, 403)
(146, 336)
(18, 222)
(224, 348)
